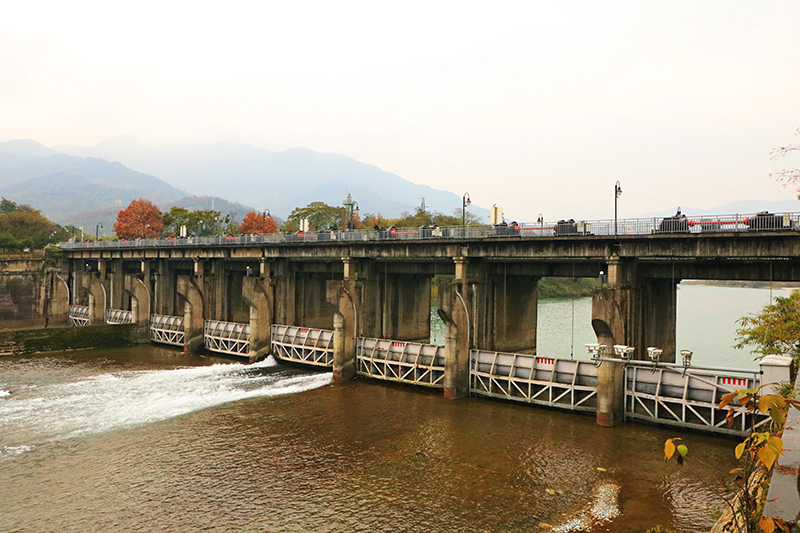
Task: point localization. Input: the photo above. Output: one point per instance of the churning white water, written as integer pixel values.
(35, 414)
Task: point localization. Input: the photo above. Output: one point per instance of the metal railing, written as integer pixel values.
(118, 316)
(167, 329)
(562, 383)
(78, 315)
(671, 395)
(407, 362)
(302, 345)
(227, 337)
(563, 228)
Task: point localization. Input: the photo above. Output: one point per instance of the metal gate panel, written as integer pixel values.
(406, 362)
(78, 315)
(561, 383)
(227, 337)
(302, 345)
(668, 394)
(167, 329)
(118, 316)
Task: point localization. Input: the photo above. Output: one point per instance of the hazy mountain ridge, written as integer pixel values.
(64, 187)
(278, 181)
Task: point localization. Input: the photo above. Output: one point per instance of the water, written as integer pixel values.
(706, 324)
(147, 439)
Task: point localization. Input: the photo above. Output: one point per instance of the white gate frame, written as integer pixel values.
(167, 329)
(406, 362)
(308, 346)
(227, 337)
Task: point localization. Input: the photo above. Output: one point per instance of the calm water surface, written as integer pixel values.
(145, 439)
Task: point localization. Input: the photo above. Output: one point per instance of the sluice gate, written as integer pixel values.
(118, 316)
(167, 329)
(407, 362)
(78, 315)
(302, 345)
(227, 337)
(561, 383)
(670, 394)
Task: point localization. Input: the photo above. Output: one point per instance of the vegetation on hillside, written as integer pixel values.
(23, 227)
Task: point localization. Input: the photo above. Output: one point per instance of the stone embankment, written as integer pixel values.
(19, 342)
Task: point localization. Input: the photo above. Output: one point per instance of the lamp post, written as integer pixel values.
(465, 201)
(617, 192)
(264, 220)
(349, 203)
(97, 231)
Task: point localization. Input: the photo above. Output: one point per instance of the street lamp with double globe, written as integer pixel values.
(465, 201)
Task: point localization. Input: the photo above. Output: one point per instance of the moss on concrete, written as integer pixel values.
(28, 341)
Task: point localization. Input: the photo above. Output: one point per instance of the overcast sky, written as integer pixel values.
(533, 106)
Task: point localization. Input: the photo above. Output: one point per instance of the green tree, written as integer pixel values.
(320, 215)
(775, 331)
(27, 227)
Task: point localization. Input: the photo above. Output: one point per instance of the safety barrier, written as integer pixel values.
(167, 329)
(118, 316)
(78, 315)
(302, 345)
(227, 337)
(562, 383)
(407, 362)
(632, 226)
(671, 395)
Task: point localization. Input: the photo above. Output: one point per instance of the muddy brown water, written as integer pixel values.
(147, 439)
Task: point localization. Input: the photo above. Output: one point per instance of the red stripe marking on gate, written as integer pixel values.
(545, 361)
(734, 381)
(302, 330)
(399, 344)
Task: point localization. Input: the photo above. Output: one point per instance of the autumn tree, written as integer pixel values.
(254, 222)
(140, 219)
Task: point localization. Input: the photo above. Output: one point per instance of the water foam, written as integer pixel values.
(604, 508)
(128, 399)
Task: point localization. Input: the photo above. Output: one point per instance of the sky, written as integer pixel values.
(537, 107)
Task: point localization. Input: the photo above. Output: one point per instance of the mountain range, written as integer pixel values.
(87, 186)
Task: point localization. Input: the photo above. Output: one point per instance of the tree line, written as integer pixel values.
(142, 219)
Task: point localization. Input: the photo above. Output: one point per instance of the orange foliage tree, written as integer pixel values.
(140, 219)
(254, 222)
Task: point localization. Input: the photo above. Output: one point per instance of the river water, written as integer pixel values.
(147, 439)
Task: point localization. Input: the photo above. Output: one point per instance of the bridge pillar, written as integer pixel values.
(89, 283)
(658, 317)
(453, 310)
(283, 278)
(256, 293)
(613, 323)
(165, 289)
(58, 297)
(343, 295)
(140, 305)
(193, 319)
(116, 282)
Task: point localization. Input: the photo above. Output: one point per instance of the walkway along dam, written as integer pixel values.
(359, 302)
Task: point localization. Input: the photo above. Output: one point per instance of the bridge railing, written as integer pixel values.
(630, 226)
(408, 362)
(227, 337)
(302, 345)
(671, 395)
(167, 329)
(562, 383)
(78, 315)
(118, 316)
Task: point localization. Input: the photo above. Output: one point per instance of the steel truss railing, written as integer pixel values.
(118, 316)
(167, 329)
(302, 345)
(666, 394)
(407, 362)
(562, 383)
(227, 337)
(78, 315)
(562, 228)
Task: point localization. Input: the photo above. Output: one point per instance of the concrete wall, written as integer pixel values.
(57, 339)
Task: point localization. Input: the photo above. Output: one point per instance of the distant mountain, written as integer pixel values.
(65, 187)
(740, 207)
(278, 181)
(193, 203)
